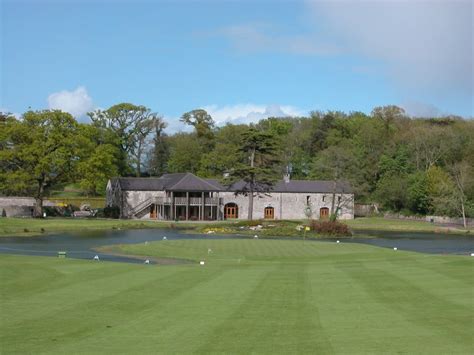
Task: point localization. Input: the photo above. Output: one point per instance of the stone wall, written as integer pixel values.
(289, 205)
(20, 206)
(286, 205)
(432, 219)
(365, 210)
(113, 195)
(131, 199)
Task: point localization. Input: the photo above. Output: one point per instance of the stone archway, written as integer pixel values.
(269, 213)
(324, 213)
(231, 211)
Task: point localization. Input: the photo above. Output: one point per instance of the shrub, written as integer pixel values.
(110, 212)
(52, 211)
(252, 223)
(333, 228)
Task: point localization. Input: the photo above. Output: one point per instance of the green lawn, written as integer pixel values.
(380, 223)
(33, 226)
(260, 296)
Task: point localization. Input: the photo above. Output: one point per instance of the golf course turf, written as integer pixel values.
(260, 296)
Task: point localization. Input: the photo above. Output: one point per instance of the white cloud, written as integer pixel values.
(247, 113)
(236, 114)
(6, 110)
(76, 102)
(424, 44)
(265, 38)
(422, 109)
(175, 125)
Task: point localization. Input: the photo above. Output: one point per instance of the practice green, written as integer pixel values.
(260, 296)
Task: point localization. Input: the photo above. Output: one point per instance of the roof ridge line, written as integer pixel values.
(207, 182)
(177, 182)
(195, 176)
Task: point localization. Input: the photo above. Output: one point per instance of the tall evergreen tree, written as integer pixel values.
(258, 173)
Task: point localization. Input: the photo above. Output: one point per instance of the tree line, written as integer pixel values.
(403, 164)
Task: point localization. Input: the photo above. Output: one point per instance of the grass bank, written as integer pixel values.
(252, 296)
(266, 228)
(385, 224)
(78, 201)
(32, 227)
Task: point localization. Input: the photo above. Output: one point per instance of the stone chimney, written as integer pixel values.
(286, 178)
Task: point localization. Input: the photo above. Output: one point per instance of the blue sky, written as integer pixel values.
(241, 60)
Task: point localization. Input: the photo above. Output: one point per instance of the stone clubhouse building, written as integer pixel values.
(185, 196)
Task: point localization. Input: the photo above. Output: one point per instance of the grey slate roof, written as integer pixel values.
(141, 184)
(302, 186)
(170, 182)
(191, 182)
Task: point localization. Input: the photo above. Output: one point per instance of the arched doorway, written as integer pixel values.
(153, 211)
(269, 213)
(231, 210)
(324, 213)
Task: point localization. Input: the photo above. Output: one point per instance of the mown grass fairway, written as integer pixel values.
(261, 296)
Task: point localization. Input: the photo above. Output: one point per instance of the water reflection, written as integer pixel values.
(81, 244)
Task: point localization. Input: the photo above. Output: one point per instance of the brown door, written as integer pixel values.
(324, 213)
(269, 213)
(231, 211)
(153, 211)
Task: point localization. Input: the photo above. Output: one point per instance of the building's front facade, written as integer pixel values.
(188, 197)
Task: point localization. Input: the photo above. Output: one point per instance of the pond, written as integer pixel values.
(81, 244)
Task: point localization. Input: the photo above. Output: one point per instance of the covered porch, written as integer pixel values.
(187, 206)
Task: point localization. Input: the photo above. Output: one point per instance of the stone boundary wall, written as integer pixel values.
(365, 210)
(432, 219)
(20, 206)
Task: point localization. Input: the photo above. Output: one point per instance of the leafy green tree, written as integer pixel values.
(132, 124)
(388, 115)
(143, 129)
(337, 165)
(418, 198)
(97, 169)
(397, 162)
(41, 151)
(226, 153)
(462, 174)
(441, 190)
(258, 172)
(185, 153)
(160, 151)
(203, 125)
(391, 192)
(430, 143)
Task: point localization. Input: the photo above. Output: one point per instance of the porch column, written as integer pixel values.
(203, 206)
(218, 216)
(187, 205)
(172, 210)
